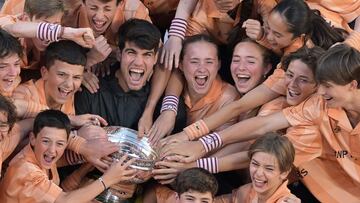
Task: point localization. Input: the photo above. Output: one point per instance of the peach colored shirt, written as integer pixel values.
(246, 194)
(320, 136)
(9, 143)
(273, 106)
(26, 182)
(34, 93)
(219, 95)
(206, 18)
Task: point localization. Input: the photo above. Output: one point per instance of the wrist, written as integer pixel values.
(178, 28)
(211, 164)
(196, 130)
(170, 103)
(211, 142)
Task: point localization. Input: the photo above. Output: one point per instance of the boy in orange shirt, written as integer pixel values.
(32, 175)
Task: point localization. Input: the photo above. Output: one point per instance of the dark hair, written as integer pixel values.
(66, 51)
(248, 10)
(51, 118)
(340, 64)
(141, 32)
(198, 38)
(8, 107)
(277, 145)
(9, 45)
(308, 56)
(301, 20)
(106, 1)
(196, 179)
(43, 8)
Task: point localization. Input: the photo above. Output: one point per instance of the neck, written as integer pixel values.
(353, 110)
(51, 103)
(263, 197)
(121, 80)
(194, 97)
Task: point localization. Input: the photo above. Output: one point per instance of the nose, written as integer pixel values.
(52, 148)
(100, 14)
(270, 36)
(321, 90)
(292, 83)
(138, 60)
(259, 172)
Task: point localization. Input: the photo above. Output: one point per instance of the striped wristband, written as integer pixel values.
(178, 28)
(211, 142)
(211, 164)
(49, 32)
(73, 158)
(196, 130)
(170, 102)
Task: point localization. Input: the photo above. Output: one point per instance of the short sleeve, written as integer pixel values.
(276, 81)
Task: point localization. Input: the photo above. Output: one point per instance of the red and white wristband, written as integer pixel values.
(170, 103)
(49, 32)
(211, 164)
(211, 141)
(178, 28)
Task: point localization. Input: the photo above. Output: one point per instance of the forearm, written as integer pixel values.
(253, 128)
(22, 29)
(234, 161)
(158, 84)
(185, 8)
(175, 85)
(256, 97)
(91, 191)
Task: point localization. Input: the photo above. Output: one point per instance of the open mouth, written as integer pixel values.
(8, 81)
(293, 93)
(201, 80)
(48, 159)
(64, 92)
(136, 74)
(327, 97)
(259, 183)
(243, 78)
(98, 25)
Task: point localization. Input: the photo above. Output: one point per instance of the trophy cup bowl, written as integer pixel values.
(139, 149)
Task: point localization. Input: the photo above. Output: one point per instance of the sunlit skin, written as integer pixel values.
(9, 72)
(194, 197)
(100, 14)
(265, 174)
(4, 126)
(300, 82)
(247, 66)
(136, 66)
(49, 145)
(277, 32)
(338, 95)
(56, 18)
(61, 80)
(200, 66)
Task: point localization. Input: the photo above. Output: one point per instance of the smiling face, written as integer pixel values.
(247, 66)
(195, 197)
(100, 14)
(136, 66)
(200, 65)
(49, 145)
(265, 173)
(300, 82)
(4, 125)
(39, 44)
(9, 71)
(337, 95)
(62, 80)
(277, 32)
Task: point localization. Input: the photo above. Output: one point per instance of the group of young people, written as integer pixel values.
(266, 86)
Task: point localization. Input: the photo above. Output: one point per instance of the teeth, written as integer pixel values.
(242, 76)
(201, 76)
(137, 71)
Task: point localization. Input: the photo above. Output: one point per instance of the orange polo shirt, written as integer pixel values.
(219, 95)
(327, 150)
(273, 106)
(34, 93)
(206, 18)
(247, 194)
(9, 143)
(26, 182)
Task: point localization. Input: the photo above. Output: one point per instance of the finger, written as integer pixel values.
(162, 56)
(171, 61)
(102, 120)
(176, 59)
(167, 56)
(100, 165)
(165, 177)
(141, 132)
(167, 181)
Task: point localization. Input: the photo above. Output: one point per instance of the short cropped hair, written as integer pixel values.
(66, 51)
(7, 106)
(9, 45)
(141, 32)
(43, 8)
(340, 64)
(309, 56)
(196, 179)
(51, 118)
(277, 145)
(198, 38)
